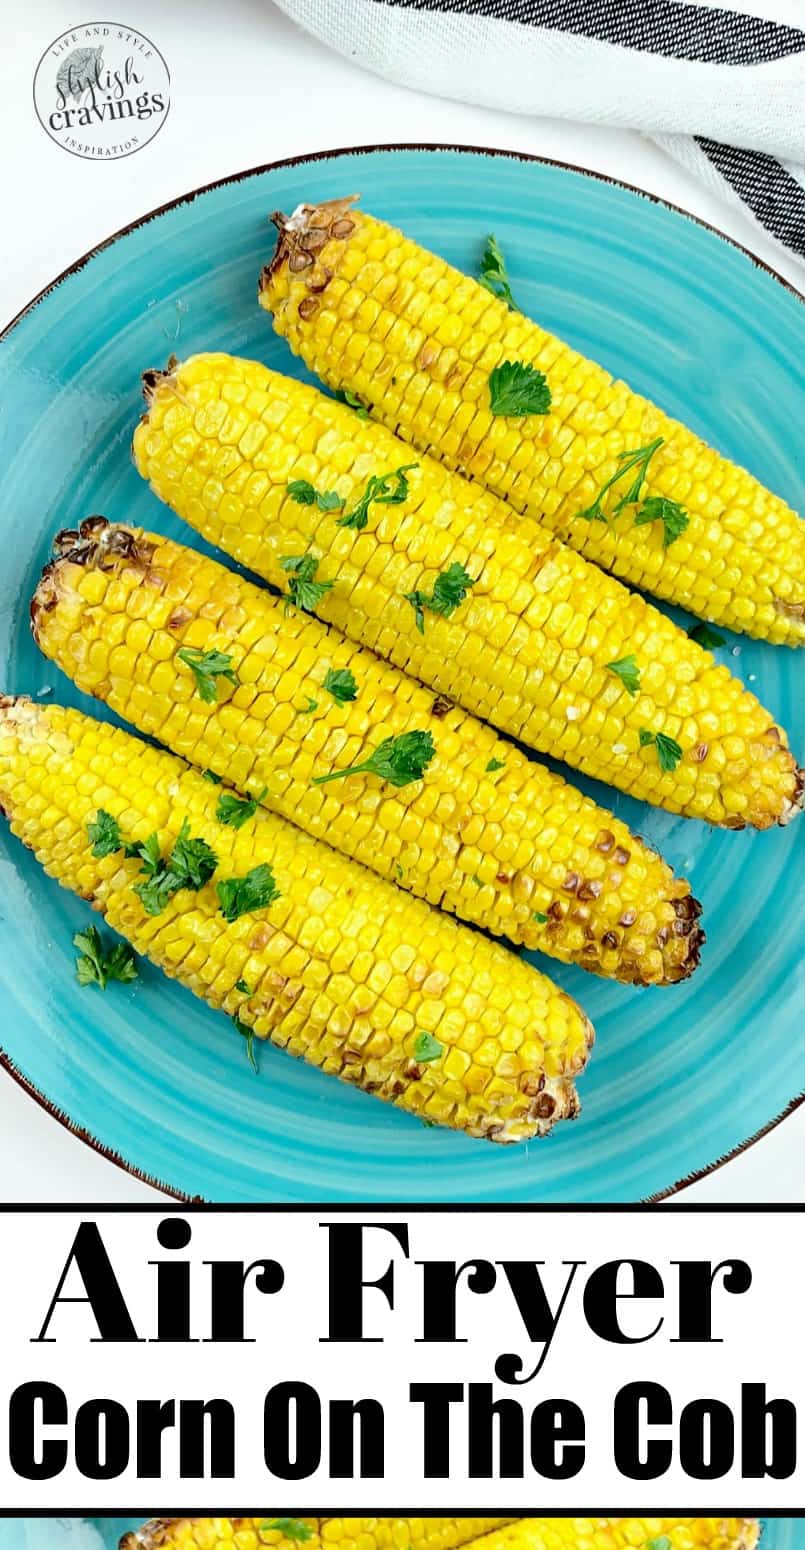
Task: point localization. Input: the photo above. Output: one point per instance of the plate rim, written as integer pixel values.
(7, 1064)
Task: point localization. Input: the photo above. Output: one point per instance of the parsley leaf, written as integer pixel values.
(627, 670)
(674, 518)
(98, 964)
(210, 775)
(236, 811)
(398, 760)
(207, 667)
(706, 636)
(449, 590)
(192, 861)
(306, 494)
(427, 1048)
(542, 920)
(495, 764)
(669, 752)
(243, 987)
(190, 865)
(384, 489)
(303, 590)
(292, 1528)
(663, 1543)
(308, 709)
(340, 683)
(104, 832)
(243, 895)
(493, 276)
(515, 388)
(248, 1034)
(344, 396)
(638, 458)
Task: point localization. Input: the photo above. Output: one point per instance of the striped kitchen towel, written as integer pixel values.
(719, 86)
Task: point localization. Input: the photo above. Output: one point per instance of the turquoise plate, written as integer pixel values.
(680, 1077)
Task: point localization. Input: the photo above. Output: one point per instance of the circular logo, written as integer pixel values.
(102, 91)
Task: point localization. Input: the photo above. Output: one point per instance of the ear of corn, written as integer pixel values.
(320, 1533)
(340, 968)
(530, 648)
(512, 848)
(624, 1534)
(373, 313)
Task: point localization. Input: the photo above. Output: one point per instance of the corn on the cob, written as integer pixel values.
(623, 1534)
(373, 313)
(316, 1533)
(513, 849)
(340, 967)
(533, 646)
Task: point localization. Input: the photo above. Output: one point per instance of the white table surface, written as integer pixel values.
(248, 87)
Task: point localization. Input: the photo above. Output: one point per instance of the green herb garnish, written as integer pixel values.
(236, 811)
(663, 1543)
(627, 670)
(190, 865)
(706, 636)
(449, 590)
(340, 683)
(307, 710)
(104, 832)
(427, 1048)
(207, 667)
(384, 489)
(244, 989)
(516, 389)
(493, 276)
(639, 459)
(247, 1034)
(398, 760)
(303, 590)
(98, 964)
(306, 494)
(215, 780)
(674, 518)
(495, 764)
(292, 1528)
(669, 752)
(344, 396)
(542, 920)
(243, 895)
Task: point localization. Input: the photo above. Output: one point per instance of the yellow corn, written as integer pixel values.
(315, 1533)
(341, 968)
(529, 649)
(372, 312)
(513, 848)
(624, 1534)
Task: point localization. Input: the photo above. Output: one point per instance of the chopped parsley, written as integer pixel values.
(449, 590)
(427, 1048)
(340, 683)
(398, 760)
(495, 764)
(247, 1033)
(704, 635)
(243, 895)
(384, 489)
(494, 276)
(669, 752)
(542, 920)
(352, 400)
(104, 832)
(207, 667)
(303, 590)
(292, 1528)
(99, 963)
(190, 865)
(663, 1543)
(476, 880)
(244, 989)
(674, 518)
(236, 811)
(306, 494)
(627, 670)
(307, 710)
(215, 780)
(638, 458)
(517, 389)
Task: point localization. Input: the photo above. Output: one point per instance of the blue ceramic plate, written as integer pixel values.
(680, 1077)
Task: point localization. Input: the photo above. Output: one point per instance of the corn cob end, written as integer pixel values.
(304, 232)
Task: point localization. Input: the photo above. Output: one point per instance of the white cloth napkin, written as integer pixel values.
(721, 87)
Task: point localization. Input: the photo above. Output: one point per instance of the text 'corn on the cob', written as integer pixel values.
(533, 645)
(373, 313)
(486, 834)
(340, 967)
(447, 1533)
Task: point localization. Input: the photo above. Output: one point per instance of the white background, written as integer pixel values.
(754, 1341)
(248, 88)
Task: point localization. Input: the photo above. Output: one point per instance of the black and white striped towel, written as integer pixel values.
(718, 85)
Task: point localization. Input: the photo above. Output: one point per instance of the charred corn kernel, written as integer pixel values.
(528, 649)
(624, 1534)
(373, 313)
(58, 768)
(316, 1533)
(558, 872)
